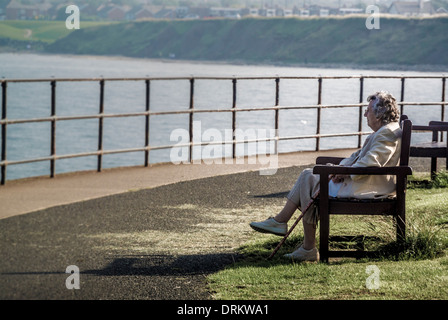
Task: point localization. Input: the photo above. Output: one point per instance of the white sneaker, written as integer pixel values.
(303, 255)
(270, 226)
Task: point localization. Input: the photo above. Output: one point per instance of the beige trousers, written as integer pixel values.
(305, 187)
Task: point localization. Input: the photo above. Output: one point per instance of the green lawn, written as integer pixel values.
(46, 31)
(419, 271)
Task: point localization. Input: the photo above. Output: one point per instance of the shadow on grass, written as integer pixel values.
(440, 181)
(419, 246)
(421, 243)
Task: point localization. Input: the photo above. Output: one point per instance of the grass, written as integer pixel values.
(45, 31)
(417, 269)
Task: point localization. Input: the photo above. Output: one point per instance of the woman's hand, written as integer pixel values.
(338, 178)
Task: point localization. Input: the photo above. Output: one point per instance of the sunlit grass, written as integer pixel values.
(415, 269)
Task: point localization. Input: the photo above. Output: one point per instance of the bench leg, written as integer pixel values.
(401, 228)
(433, 167)
(324, 236)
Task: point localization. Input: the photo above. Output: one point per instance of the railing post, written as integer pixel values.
(191, 118)
(277, 99)
(233, 118)
(147, 85)
(3, 157)
(100, 127)
(361, 95)
(402, 95)
(53, 127)
(442, 115)
(319, 109)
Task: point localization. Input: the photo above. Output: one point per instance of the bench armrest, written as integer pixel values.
(327, 170)
(325, 160)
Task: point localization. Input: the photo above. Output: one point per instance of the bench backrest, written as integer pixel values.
(442, 125)
(406, 127)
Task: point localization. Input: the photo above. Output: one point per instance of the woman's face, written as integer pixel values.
(372, 121)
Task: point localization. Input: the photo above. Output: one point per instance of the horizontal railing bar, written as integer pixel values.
(89, 79)
(325, 135)
(76, 155)
(80, 117)
(223, 78)
(222, 142)
(423, 103)
(194, 144)
(188, 111)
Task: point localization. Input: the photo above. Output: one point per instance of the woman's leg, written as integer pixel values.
(286, 213)
(306, 185)
(309, 230)
(309, 238)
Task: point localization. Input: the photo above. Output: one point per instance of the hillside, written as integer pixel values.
(18, 35)
(399, 41)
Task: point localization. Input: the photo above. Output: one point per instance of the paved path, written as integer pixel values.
(136, 233)
(27, 195)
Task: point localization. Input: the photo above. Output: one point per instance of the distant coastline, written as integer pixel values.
(442, 69)
(399, 45)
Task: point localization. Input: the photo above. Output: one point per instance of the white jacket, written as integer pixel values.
(381, 149)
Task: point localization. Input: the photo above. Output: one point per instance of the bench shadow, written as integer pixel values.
(155, 265)
(272, 195)
(166, 265)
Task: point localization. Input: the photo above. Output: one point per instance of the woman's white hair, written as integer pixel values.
(385, 106)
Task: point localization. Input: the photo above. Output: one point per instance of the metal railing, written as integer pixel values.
(147, 113)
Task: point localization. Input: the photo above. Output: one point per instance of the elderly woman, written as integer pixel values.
(381, 148)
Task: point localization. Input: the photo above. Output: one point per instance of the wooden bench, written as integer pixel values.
(433, 149)
(395, 207)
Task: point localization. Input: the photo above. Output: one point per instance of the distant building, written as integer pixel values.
(414, 8)
(181, 12)
(165, 13)
(270, 13)
(287, 13)
(198, 13)
(225, 12)
(346, 11)
(110, 10)
(324, 12)
(17, 11)
(280, 12)
(441, 11)
(253, 12)
(304, 13)
(117, 13)
(139, 13)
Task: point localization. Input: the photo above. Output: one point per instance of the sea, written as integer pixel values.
(32, 100)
